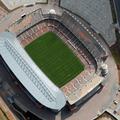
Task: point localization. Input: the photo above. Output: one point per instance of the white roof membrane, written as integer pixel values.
(28, 73)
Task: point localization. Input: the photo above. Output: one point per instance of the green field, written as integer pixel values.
(54, 58)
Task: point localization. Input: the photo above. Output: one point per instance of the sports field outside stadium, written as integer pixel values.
(54, 58)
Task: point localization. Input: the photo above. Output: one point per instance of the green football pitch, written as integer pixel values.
(54, 58)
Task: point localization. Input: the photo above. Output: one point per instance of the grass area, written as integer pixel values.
(116, 56)
(54, 58)
(116, 48)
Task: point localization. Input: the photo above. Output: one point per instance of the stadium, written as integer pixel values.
(57, 57)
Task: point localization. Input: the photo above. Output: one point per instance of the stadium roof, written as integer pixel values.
(28, 73)
(97, 13)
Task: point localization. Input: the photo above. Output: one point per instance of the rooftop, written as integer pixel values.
(97, 13)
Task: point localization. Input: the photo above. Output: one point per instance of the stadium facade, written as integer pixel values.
(89, 48)
(31, 77)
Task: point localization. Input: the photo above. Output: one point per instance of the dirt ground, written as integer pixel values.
(5, 112)
(3, 6)
(2, 116)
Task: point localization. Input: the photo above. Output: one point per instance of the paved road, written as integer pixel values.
(117, 5)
